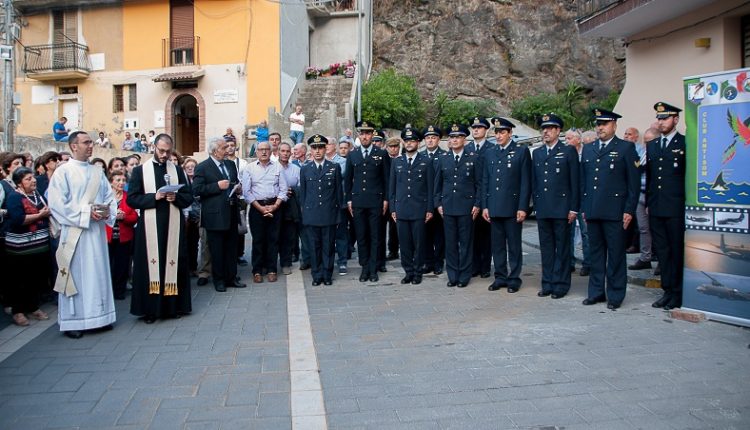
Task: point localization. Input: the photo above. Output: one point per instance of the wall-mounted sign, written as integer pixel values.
(226, 96)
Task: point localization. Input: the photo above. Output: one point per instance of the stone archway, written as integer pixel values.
(169, 115)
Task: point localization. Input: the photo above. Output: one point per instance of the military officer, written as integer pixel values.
(610, 184)
(411, 193)
(482, 236)
(320, 199)
(506, 191)
(366, 188)
(555, 190)
(665, 200)
(457, 197)
(378, 138)
(434, 235)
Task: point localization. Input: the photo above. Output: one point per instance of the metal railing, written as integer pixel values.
(329, 6)
(587, 8)
(56, 57)
(180, 51)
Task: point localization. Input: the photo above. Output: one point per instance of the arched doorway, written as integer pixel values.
(185, 124)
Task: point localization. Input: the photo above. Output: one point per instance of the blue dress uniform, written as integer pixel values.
(665, 200)
(366, 186)
(320, 199)
(482, 258)
(411, 193)
(610, 185)
(555, 190)
(434, 234)
(506, 189)
(457, 190)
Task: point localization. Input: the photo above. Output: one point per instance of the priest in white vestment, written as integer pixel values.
(82, 201)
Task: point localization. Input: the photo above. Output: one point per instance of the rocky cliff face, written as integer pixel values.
(502, 50)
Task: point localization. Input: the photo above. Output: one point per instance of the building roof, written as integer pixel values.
(184, 75)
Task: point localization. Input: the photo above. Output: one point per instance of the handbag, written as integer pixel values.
(33, 242)
(242, 226)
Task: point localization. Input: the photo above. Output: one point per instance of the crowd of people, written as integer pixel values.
(172, 218)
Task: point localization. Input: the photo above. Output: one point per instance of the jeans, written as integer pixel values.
(297, 136)
(584, 242)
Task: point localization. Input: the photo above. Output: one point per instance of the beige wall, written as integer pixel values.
(657, 65)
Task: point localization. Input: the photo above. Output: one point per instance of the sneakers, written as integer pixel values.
(342, 269)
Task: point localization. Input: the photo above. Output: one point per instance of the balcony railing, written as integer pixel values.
(587, 8)
(327, 7)
(180, 51)
(59, 60)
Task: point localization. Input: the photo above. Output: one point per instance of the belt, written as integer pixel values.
(267, 202)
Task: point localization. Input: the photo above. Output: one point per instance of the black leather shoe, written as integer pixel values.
(74, 334)
(485, 275)
(149, 319)
(585, 271)
(496, 286)
(108, 327)
(662, 301)
(374, 277)
(462, 284)
(543, 293)
(613, 306)
(674, 302)
(327, 282)
(236, 284)
(304, 266)
(595, 300)
(438, 271)
(475, 274)
(364, 276)
(316, 282)
(557, 296)
(451, 284)
(407, 280)
(202, 281)
(220, 287)
(572, 269)
(512, 289)
(640, 265)
(382, 269)
(416, 280)
(425, 270)
(392, 256)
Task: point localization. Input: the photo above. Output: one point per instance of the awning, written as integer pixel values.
(186, 75)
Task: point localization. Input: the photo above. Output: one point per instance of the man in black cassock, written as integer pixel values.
(161, 280)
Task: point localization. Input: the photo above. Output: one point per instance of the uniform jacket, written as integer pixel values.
(366, 180)
(320, 193)
(506, 184)
(472, 149)
(215, 203)
(665, 177)
(439, 152)
(554, 181)
(411, 188)
(458, 187)
(610, 181)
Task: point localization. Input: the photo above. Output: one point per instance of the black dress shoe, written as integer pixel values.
(462, 284)
(416, 280)
(585, 271)
(475, 274)
(543, 293)
(406, 280)
(662, 301)
(316, 282)
(485, 275)
(640, 265)
(382, 269)
(451, 284)
(438, 271)
(572, 269)
(392, 256)
(513, 289)
(557, 296)
(327, 282)
(74, 334)
(374, 277)
(149, 319)
(108, 327)
(595, 300)
(220, 287)
(496, 286)
(202, 281)
(674, 302)
(364, 276)
(613, 306)
(304, 266)
(236, 284)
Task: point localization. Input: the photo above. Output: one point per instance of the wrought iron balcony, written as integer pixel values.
(67, 60)
(180, 51)
(328, 7)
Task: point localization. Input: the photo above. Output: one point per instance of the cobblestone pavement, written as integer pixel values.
(391, 357)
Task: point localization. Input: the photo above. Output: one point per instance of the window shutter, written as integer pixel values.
(181, 20)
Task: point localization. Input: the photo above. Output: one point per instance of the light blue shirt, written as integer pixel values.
(263, 182)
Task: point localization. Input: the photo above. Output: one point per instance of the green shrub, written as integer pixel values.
(445, 110)
(391, 100)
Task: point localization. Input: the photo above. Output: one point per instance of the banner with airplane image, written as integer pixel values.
(717, 212)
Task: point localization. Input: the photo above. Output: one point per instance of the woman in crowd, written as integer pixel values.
(177, 158)
(27, 246)
(193, 217)
(120, 237)
(144, 143)
(131, 163)
(116, 163)
(49, 161)
(101, 163)
(28, 160)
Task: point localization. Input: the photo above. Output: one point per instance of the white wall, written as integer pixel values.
(295, 28)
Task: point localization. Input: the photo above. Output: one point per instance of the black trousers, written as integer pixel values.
(287, 236)
(411, 239)
(265, 232)
(120, 257)
(608, 260)
(322, 250)
(193, 232)
(482, 248)
(668, 236)
(434, 243)
(27, 281)
(554, 241)
(367, 226)
(222, 244)
(506, 250)
(458, 247)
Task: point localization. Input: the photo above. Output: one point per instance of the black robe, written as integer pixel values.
(158, 305)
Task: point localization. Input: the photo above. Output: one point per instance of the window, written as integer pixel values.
(64, 26)
(132, 98)
(745, 36)
(117, 98)
(68, 90)
(181, 34)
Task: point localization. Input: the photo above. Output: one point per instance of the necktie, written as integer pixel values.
(367, 151)
(601, 147)
(663, 142)
(479, 148)
(548, 151)
(457, 157)
(320, 168)
(223, 170)
(410, 159)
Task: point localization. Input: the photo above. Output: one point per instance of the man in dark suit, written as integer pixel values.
(555, 190)
(506, 191)
(320, 199)
(411, 193)
(665, 201)
(457, 197)
(434, 233)
(366, 188)
(214, 183)
(610, 184)
(482, 235)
